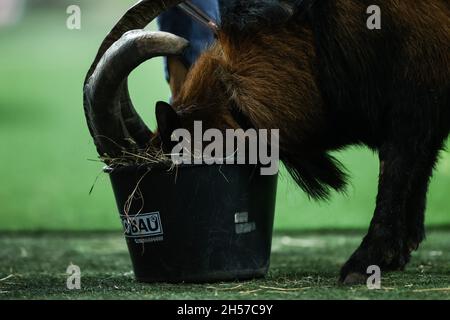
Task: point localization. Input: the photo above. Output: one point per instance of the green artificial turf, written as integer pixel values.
(304, 265)
(45, 146)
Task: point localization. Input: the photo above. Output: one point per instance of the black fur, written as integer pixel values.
(376, 95)
(247, 16)
(316, 174)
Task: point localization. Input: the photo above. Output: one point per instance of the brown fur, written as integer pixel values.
(272, 75)
(266, 79)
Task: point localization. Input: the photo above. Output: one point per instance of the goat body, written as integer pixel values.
(327, 81)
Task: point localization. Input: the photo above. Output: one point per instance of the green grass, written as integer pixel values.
(45, 145)
(304, 266)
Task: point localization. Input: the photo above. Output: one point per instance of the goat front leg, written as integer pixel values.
(385, 243)
(416, 205)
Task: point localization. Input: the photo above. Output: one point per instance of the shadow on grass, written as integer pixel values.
(95, 233)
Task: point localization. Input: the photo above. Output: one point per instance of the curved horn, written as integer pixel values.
(103, 89)
(137, 17)
(131, 127)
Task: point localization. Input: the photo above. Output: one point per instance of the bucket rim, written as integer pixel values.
(165, 167)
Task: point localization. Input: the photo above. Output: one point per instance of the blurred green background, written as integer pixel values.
(45, 153)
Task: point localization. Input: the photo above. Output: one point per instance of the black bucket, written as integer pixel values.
(197, 223)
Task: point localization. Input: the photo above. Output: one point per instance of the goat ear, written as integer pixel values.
(168, 122)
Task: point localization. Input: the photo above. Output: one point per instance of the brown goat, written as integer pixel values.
(326, 81)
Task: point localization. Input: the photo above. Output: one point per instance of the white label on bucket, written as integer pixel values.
(142, 225)
(241, 217)
(242, 225)
(245, 227)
